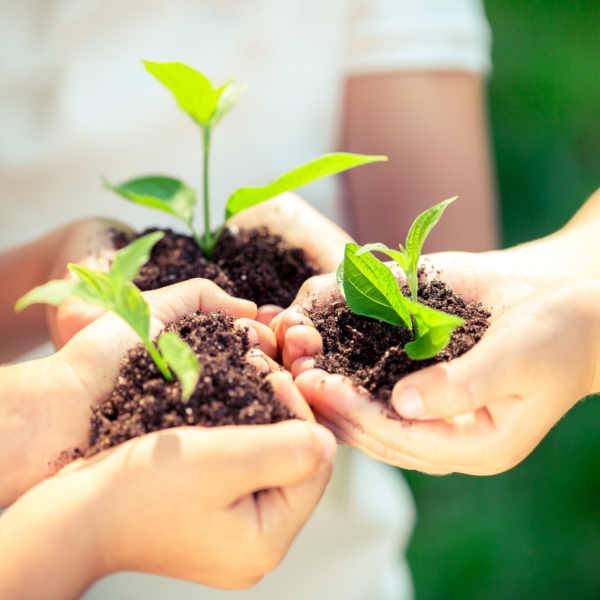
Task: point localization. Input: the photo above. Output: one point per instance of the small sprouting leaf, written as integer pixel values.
(400, 257)
(227, 100)
(53, 292)
(183, 360)
(130, 305)
(194, 93)
(324, 166)
(435, 328)
(370, 289)
(421, 228)
(129, 260)
(162, 193)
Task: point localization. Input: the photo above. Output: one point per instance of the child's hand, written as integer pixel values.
(47, 404)
(214, 506)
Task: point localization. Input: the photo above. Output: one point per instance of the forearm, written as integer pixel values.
(433, 127)
(47, 546)
(22, 269)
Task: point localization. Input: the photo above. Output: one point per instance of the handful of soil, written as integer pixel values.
(371, 353)
(230, 391)
(251, 264)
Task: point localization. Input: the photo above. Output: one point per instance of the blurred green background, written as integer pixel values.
(534, 531)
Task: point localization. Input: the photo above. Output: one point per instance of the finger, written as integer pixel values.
(260, 335)
(289, 395)
(171, 303)
(291, 317)
(258, 457)
(70, 318)
(529, 349)
(300, 341)
(267, 313)
(301, 365)
(372, 427)
(261, 361)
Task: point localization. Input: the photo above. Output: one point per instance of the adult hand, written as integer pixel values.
(214, 506)
(46, 403)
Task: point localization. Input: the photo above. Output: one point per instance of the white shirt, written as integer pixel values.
(76, 103)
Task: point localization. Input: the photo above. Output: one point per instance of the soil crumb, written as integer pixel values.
(230, 390)
(251, 264)
(371, 353)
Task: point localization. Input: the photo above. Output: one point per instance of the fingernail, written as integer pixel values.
(247, 303)
(409, 403)
(328, 443)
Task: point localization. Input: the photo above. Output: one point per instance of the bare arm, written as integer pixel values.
(433, 128)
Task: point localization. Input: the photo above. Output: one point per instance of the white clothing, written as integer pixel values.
(76, 103)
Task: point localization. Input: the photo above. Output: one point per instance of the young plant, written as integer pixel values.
(408, 258)
(370, 289)
(207, 105)
(115, 292)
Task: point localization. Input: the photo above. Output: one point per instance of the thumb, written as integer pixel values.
(547, 342)
(259, 457)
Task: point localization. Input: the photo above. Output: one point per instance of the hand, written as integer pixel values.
(486, 411)
(215, 506)
(90, 243)
(46, 408)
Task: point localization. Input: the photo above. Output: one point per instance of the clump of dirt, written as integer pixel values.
(371, 353)
(251, 264)
(230, 390)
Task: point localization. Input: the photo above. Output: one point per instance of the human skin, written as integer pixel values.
(433, 128)
(214, 506)
(45, 404)
(487, 410)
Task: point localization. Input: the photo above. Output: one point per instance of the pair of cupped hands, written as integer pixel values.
(481, 413)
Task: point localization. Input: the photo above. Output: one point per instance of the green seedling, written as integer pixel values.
(207, 105)
(370, 289)
(115, 292)
(408, 258)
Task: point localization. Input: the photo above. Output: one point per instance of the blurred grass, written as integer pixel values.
(534, 531)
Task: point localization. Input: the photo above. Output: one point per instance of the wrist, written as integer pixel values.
(50, 542)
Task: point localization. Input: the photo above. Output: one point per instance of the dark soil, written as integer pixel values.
(251, 264)
(230, 390)
(371, 353)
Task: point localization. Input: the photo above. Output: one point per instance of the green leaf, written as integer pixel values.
(227, 100)
(399, 257)
(162, 193)
(130, 305)
(129, 260)
(421, 228)
(183, 360)
(324, 166)
(370, 289)
(194, 93)
(435, 328)
(53, 292)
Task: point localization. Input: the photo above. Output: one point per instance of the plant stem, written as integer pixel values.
(158, 359)
(208, 241)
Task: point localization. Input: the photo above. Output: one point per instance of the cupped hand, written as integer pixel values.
(90, 243)
(217, 506)
(65, 385)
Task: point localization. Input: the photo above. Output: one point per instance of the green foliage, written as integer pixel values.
(207, 105)
(324, 166)
(408, 258)
(435, 328)
(370, 289)
(194, 93)
(115, 292)
(183, 360)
